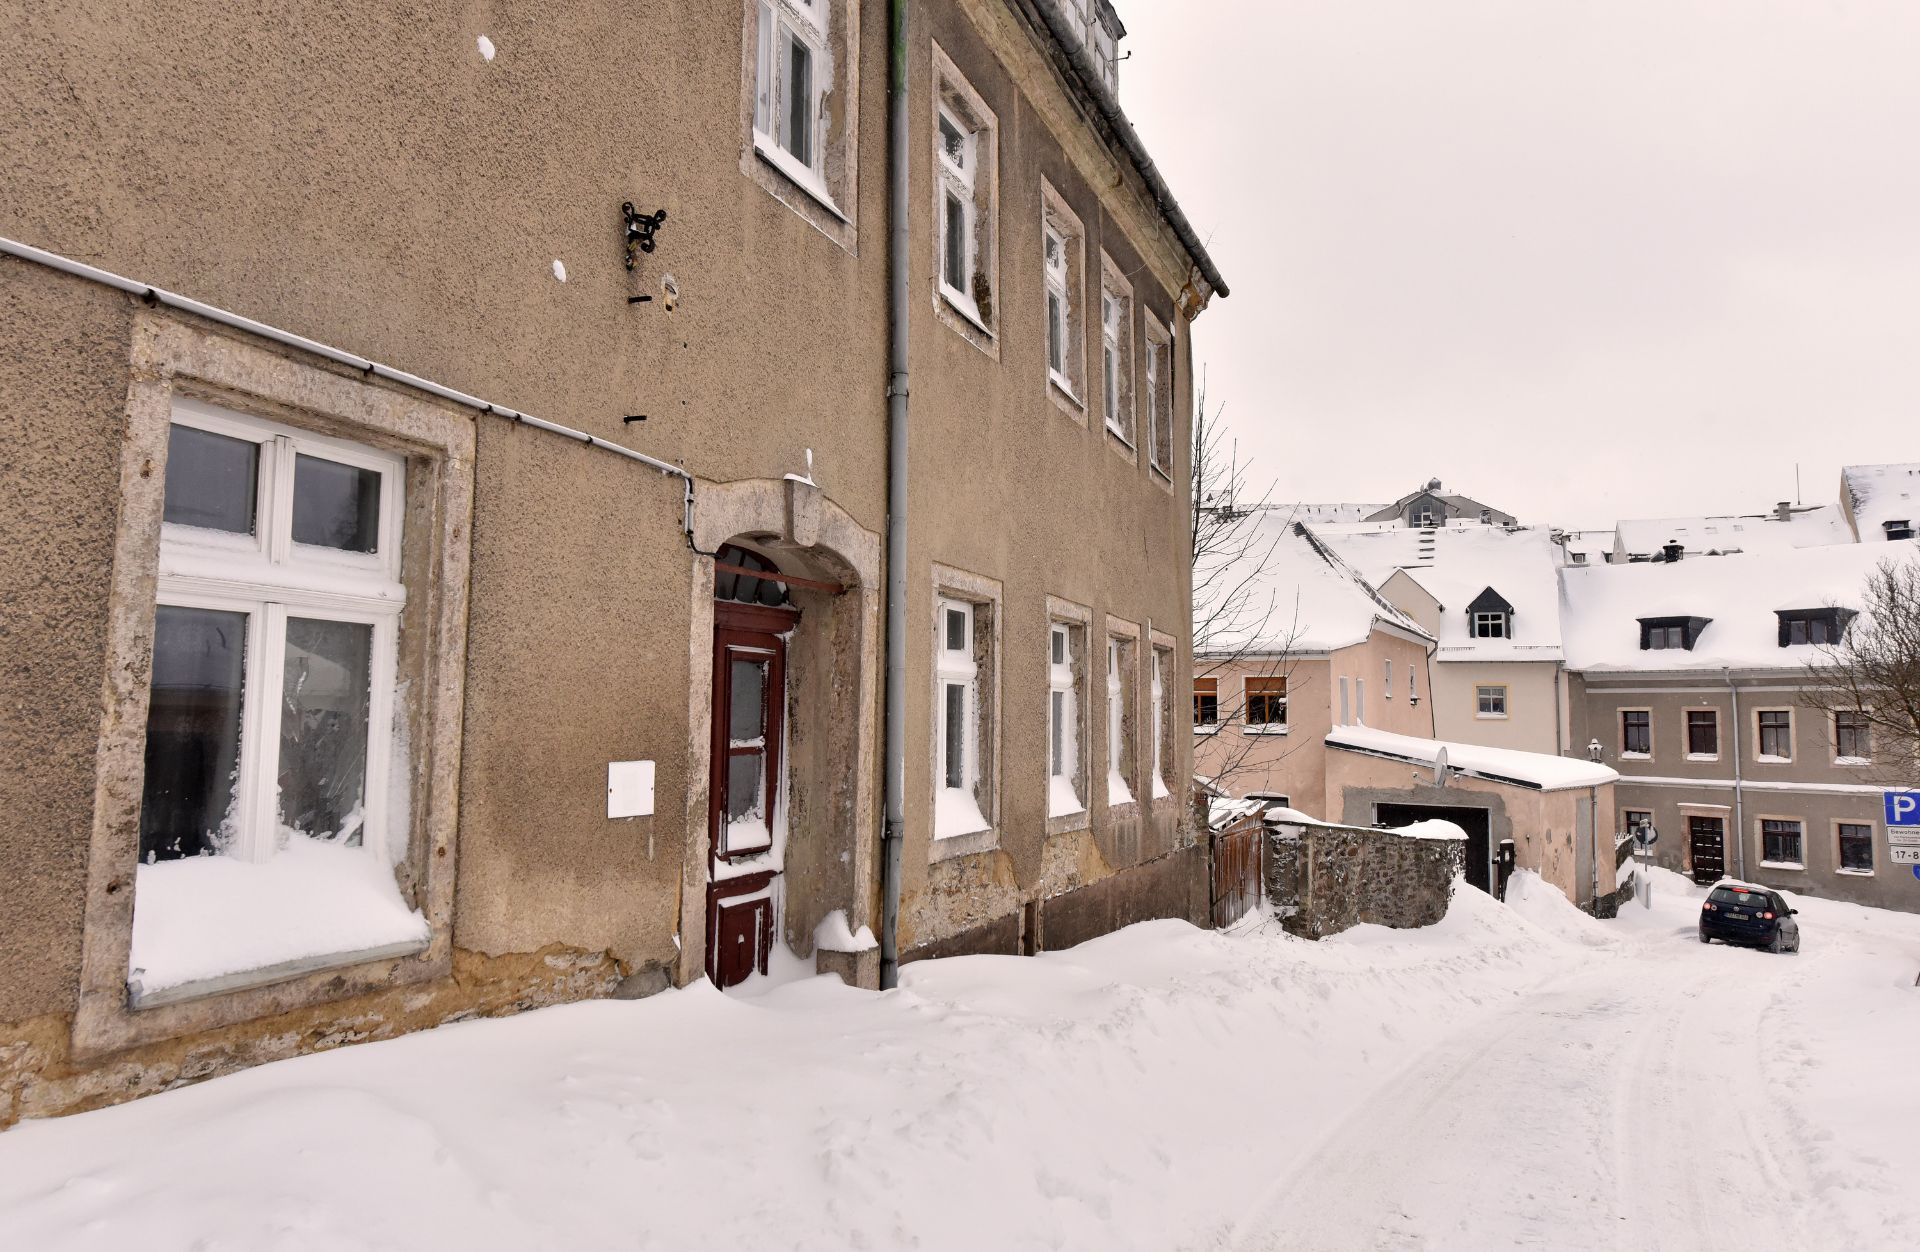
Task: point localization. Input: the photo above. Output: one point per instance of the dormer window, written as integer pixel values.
(1898, 528)
(1813, 626)
(1659, 634)
(1490, 616)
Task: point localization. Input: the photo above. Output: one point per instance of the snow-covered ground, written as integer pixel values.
(1517, 1076)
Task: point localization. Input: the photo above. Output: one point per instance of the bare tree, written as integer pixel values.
(1241, 623)
(1873, 673)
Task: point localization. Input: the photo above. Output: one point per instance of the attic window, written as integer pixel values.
(1815, 626)
(1663, 633)
(1898, 528)
(1490, 616)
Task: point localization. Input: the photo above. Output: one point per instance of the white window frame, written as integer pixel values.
(958, 668)
(1063, 715)
(1158, 369)
(1157, 781)
(1059, 326)
(1496, 620)
(1063, 274)
(1490, 693)
(781, 25)
(1116, 355)
(269, 577)
(1388, 685)
(1120, 785)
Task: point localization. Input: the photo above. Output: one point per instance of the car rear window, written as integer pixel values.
(1740, 899)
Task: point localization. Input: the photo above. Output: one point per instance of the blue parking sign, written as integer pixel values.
(1903, 808)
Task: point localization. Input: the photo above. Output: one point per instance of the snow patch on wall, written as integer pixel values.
(486, 48)
(559, 270)
(834, 934)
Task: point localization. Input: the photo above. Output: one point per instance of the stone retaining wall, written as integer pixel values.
(1323, 879)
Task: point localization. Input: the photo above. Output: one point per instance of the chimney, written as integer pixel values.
(1673, 551)
(1783, 511)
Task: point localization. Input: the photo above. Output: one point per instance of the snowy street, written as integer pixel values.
(1518, 1076)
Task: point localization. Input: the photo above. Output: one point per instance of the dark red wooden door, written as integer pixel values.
(1708, 846)
(744, 790)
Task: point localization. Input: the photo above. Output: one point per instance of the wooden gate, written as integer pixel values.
(1707, 843)
(1238, 861)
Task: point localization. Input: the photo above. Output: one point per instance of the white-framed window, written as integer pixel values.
(1158, 396)
(965, 205)
(1119, 722)
(957, 146)
(270, 719)
(1062, 246)
(1063, 720)
(1490, 700)
(1489, 625)
(957, 722)
(1162, 658)
(1116, 352)
(1388, 685)
(1413, 685)
(791, 80)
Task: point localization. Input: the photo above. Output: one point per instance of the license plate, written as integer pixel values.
(1736, 917)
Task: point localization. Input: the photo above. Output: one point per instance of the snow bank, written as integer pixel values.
(204, 916)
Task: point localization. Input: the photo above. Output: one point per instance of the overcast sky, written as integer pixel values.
(1581, 259)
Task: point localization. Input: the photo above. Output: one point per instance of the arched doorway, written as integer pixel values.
(753, 619)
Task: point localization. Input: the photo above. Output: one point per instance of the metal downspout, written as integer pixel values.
(1739, 821)
(896, 680)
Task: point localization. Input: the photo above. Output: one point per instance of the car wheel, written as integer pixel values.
(1776, 944)
(1705, 939)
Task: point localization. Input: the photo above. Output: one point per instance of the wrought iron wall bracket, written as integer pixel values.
(640, 229)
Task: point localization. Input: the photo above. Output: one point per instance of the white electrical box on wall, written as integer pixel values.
(630, 789)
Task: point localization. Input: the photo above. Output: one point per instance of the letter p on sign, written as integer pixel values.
(1903, 808)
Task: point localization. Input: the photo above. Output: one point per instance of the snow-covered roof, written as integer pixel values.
(1455, 565)
(1812, 527)
(1294, 595)
(1315, 514)
(1601, 605)
(1878, 493)
(1535, 770)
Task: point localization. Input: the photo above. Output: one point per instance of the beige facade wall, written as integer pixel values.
(1294, 764)
(1536, 702)
(1810, 787)
(365, 178)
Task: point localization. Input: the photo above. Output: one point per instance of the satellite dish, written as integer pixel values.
(1440, 767)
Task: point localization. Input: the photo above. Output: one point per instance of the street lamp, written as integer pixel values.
(1593, 751)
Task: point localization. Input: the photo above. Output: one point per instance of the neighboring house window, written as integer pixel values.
(1062, 262)
(1159, 398)
(1634, 819)
(1427, 519)
(1491, 701)
(1776, 734)
(1360, 699)
(1664, 633)
(1813, 626)
(1387, 687)
(1266, 697)
(1063, 720)
(1780, 842)
(1897, 528)
(275, 651)
(1206, 703)
(966, 157)
(1161, 659)
(1116, 351)
(1850, 737)
(1413, 685)
(1489, 625)
(1636, 732)
(1119, 723)
(1346, 707)
(1703, 732)
(1856, 847)
(958, 807)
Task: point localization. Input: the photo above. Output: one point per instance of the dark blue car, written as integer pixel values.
(1754, 917)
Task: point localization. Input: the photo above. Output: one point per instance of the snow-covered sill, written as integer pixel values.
(1852, 762)
(1855, 873)
(1489, 717)
(1782, 865)
(965, 307)
(1263, 730)
(1773, 760)
(1210, 729)
(1636, 756)
(799, 175)
(1703, 757)
(285, 971)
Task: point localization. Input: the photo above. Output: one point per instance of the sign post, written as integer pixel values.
(1646, 837)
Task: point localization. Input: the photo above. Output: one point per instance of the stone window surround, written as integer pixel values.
(1793, 734)
(1686, 733)
(838, 217)
(952, 90)
(1079, 616)
(1833, 848)
(172, 355)
(1058, 216)
(1620, 733)
(1131, 664)
(1760, 841)
(950, 583)
(1165, 646)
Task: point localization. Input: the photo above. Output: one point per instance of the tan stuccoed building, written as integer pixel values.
(350, 689)
(1690, 678)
